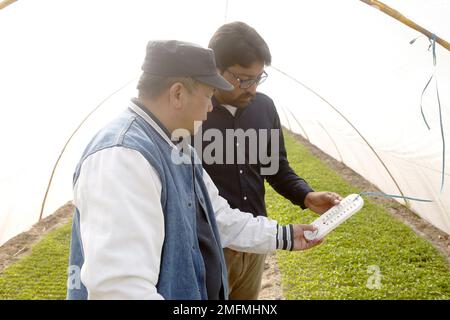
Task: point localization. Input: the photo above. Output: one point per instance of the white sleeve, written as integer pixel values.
(122, 225)
(239, 230)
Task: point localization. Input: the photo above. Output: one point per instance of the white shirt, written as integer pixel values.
(232, 109)
(118, 195)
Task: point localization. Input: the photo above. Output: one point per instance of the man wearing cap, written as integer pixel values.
(241, 55)
(149, 222)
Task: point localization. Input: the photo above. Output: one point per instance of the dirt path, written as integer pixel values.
(271, 284)
(19, 246)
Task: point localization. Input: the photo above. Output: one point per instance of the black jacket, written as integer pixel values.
(243, 184)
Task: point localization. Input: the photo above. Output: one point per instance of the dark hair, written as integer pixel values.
(151, 86)
(238, 43)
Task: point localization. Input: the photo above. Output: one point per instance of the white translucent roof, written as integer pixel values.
(60, 59)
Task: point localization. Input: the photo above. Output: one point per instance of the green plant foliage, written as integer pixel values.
(43, 273)
(408, 266)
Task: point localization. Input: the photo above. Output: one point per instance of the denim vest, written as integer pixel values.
(182, 270)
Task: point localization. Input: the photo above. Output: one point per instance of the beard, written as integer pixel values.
(243, 100)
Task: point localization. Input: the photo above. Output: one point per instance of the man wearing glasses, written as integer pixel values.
(241, 55)
(149, 222)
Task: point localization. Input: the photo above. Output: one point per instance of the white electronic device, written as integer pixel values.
(336, 215)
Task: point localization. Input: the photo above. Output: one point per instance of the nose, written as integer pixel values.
(252, 89)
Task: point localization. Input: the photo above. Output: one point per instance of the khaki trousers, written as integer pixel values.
(244, 274)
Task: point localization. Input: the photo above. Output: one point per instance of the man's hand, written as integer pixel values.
(320, 202)
(300, 242)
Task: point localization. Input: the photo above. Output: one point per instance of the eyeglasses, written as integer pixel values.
(247, 83)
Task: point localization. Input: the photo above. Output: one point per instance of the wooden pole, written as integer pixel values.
(400, 17)
(5, 3)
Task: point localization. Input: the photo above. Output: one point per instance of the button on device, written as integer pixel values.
(240, 171)
(310, 235)
(245, 198)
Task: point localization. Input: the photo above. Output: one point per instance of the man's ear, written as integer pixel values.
(176, 95)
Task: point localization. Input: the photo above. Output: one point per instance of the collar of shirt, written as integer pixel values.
(157, 124)
(232, 110)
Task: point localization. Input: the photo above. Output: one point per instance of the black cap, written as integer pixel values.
(172, 58)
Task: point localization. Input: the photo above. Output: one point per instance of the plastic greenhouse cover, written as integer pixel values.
(60, 59)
